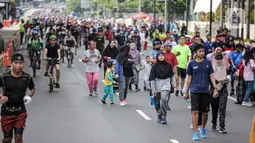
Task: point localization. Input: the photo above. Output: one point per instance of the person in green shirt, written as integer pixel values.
(22, 31)
(183, 55)
(35, 43)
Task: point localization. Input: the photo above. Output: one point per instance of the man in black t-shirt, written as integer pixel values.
(120, 39)
(52, 51)
(100, 44)
(13, 111)
(137, 39)
(76, 35)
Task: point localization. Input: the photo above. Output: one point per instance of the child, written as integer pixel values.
(108, 83)
(146, 66)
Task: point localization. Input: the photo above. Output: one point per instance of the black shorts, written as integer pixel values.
(200, 102)
(181, 72)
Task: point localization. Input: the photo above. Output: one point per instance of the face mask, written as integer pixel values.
(157, 49)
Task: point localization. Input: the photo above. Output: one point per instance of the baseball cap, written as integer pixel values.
(17, 57)
(168, 44)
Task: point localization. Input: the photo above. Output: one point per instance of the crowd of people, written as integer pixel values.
(197, 69)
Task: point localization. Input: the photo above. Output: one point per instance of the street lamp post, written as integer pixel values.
(210, 17)
(187, 14)
(154, 14)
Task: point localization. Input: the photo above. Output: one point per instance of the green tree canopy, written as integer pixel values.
(73, 5)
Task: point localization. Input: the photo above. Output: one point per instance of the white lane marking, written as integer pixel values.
(232, 98)
(174, 141)
(103, 81)
(117, 93)
(143, 115)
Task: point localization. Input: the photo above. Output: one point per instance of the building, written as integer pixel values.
(5, 7)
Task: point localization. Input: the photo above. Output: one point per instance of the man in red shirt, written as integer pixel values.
(167, 36)
(108, 34)
(170, 57)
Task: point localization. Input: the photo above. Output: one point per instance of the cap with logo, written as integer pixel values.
(17, 57)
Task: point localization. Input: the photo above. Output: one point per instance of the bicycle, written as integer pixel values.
(52, 63)
(35, 60)
(69, 56)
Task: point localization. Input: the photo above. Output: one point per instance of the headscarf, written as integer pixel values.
(123, 54)
(111, 52)
(220, 72)
(134, 54)
(161, 69)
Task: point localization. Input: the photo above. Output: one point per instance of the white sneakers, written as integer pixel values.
(249, 104)
(123, 103)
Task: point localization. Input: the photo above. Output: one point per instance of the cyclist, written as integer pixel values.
(52, 51)
(35, 43)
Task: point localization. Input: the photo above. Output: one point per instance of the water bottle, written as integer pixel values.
(189, 103)
(152, 101)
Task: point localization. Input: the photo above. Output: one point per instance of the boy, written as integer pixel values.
(146, 65)
(108, 83)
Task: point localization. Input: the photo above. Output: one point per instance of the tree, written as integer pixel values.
(73, 5)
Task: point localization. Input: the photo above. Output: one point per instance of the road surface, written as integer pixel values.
(69, 115)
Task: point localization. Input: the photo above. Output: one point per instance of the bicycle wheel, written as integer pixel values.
(50, 84)
(34, 67)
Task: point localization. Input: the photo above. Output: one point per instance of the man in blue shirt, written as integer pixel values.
(200, 71)
(235, 59)
(153, 54)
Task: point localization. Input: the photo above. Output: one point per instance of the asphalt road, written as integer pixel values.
(69, 115)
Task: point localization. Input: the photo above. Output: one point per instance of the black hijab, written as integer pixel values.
(161, 69)
(111, 52)
(124, 52)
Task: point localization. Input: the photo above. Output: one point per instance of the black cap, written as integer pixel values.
(218, 57)
(17, 57)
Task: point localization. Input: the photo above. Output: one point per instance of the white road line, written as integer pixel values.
(174, 141)
(232, 98)
(143, 115)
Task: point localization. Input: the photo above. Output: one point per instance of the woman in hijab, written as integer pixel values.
(219, 104)
(110, 53)
(160, 78)
(218, 50)
(134, 53)
(124, 69)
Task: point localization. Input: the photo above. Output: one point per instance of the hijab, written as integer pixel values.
(220, 71)
(123, 54)
(111, 52)
(161, 69)
(134, 54)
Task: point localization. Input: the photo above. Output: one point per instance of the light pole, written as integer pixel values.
(165, 15)
(187, 15)
(154, 14)
(210, 17)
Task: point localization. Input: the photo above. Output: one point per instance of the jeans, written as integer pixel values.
(123, 88)
(92, 80)
(108, 89)
(249, 86)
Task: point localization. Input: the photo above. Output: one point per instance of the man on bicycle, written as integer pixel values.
(70, 42)
(35, 43)
(52, 51)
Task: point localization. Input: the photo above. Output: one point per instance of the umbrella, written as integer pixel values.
(73, 13)
(141, 15)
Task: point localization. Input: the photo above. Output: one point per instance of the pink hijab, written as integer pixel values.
(211, 58)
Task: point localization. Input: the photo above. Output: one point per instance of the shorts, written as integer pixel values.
(56, 62)
(11, 122)
(181, 72)
(200, 102)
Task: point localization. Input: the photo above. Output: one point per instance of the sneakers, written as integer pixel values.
(177, 93)
(95, 92)
(195, 137)
(163, 121)
(203, 133)
(91, 94)
(111, 103)
(103, 102)
(223, 130)
(57, 85)
(46, 74)
(159, 119)
(214, 127)
(249, 104)
(122, 103)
